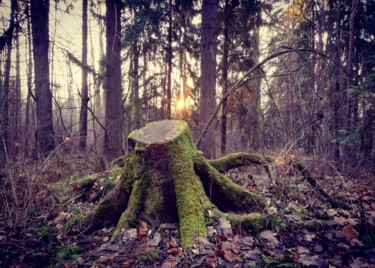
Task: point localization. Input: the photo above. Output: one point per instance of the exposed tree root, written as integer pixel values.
(235, 160)
(243, 159)
(166, 179)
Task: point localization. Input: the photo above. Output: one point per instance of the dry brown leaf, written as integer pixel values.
(211, 262)
(175, 251)
(331, 212)
(269, 236)
(341, 220)
(280, 161)
(142, 229)
(252, 254)
(302, 250)
(169, 264)
(229, 255)
(353, 222)
(75, 187)
(309, 260)
(349, 233)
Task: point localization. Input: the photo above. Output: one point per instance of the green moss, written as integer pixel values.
(154, 199)
(87, 180)
(148, 256)
(188, 188)
(223, 192)
(130, 215)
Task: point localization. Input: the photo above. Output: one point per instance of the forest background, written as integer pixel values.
(281, 78)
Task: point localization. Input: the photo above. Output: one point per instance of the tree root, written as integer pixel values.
(242, 159)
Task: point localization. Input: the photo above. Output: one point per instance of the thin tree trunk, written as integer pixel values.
(137, 112)
(84, 90)
(352, 102)
(225, 79)
(169, 63)
(27, 131)
(208, 74)
(17, 102)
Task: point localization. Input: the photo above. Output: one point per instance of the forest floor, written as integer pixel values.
(346, 239)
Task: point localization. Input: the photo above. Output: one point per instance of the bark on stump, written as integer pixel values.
(166, 179)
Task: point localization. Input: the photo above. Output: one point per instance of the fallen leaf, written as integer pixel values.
(331, 212)
(142, 229)
(128, 234)
(252, 254)
(359, 263)
(248, 241)
(224, 223)
(353, 222)
(2, 237)
(175, 251)
(269, 236)
(349, 233)
(172, 242)
(341, 220)
(211, 262)
(203, 241)
(309, 260)
(169, 264)
(229, 255)
(75, 187)
(251, 189)
(155, 241)
(371, 214)
(318, 248)
(280, 161)
(309, 237)
(302, 250)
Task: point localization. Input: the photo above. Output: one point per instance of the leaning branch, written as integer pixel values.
(236, 160)
(245, 79)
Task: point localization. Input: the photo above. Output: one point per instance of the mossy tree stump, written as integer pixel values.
(166, 179)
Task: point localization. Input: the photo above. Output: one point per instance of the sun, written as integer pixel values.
(180, 105)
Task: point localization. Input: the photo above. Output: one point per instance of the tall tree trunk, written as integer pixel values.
(44, 133)
(225, 79)
(145, 101)
(208, 74)
(113, 89)
(4, 90)
(169, 62)
(17, 102)
(352, 102)
(27, 132)
(84, 90)
(137, 104)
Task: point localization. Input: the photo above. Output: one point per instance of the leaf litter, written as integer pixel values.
(52, 238)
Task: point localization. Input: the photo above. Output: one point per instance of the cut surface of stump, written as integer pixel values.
(166, 179)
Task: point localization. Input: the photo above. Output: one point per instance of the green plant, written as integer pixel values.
(68, 253)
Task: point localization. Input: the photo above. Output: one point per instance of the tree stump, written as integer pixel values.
(166, 179)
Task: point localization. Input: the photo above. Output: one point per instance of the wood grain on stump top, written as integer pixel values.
(158, 132)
